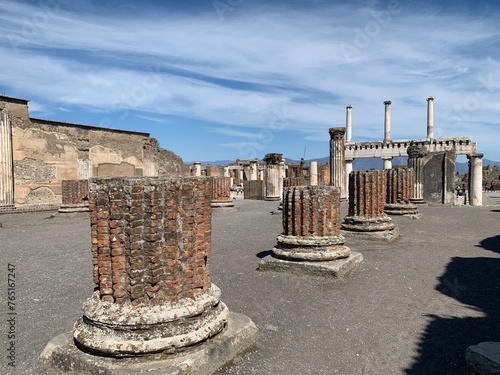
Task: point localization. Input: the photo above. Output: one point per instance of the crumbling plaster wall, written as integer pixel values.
(47, 152)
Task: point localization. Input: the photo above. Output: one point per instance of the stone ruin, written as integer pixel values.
(400, 187)
(221, 192)
(275, 171)
(366, 218)
(75, 196)
(151, 244)
(311, 242)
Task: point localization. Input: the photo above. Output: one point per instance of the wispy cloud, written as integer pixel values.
(237, 73)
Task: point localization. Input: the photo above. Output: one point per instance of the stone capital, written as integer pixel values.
(387, 102)
(476, 155)
(430, 99)
(273, 158)
(417, 151)
(336, 132)
(348, 106)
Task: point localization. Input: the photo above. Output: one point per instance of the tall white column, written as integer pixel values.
(274, 177)
(476, 179)
(226, 172)
(348, 123)
(387, 162)
(313, 173)
(430, 117)
(337, 160)
(387, 121)
(6, 162)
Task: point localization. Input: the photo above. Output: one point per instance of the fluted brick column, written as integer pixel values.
(221, 192)
(75, 196)
(6, 163)
(367, 195)
(151, 240)
(337, 160)
(416, 153)
(311, 225)
(274, 177)
(400, 187)
(293, 181)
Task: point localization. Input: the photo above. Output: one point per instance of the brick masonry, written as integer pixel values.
(151, 239)
(221, 192)
(75, 192)
(400, 189)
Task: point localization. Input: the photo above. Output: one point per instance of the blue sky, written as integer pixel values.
(229, 79)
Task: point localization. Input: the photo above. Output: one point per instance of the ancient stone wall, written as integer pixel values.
(438, 175)
(75, 192)
(253, 189)
(47, 152)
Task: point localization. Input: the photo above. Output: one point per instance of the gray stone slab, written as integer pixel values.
(483, 359)
(382, 235)
(336, 268)
(61, 356)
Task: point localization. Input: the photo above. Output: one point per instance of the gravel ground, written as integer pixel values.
(412, 307)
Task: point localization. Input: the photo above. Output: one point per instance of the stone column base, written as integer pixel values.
(272, 198)
(339, 268)
(66, 208)
(62, 357)
(311, 248)
(400, 209)
(379, 228)
(226, 203)
(483, 359)
(121, 330)
(418, 201)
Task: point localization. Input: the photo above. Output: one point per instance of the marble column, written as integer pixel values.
(400, 187)
(6, 163)
(415, 161)
(313, 173)
(430, 117)
(337, 160)
(476, 179)
(366, 218)
(274, 177)
(387, 121)
(387, 162)
(226, 172)
(348, 123)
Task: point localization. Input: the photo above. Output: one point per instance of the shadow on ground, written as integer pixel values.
(472, 281)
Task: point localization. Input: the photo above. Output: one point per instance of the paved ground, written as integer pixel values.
(412, 308)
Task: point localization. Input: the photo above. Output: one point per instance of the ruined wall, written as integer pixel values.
(439, 173)
(47, 152)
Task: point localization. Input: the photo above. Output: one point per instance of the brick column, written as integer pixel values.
(366, 217)
(75, 196)
(415, 161)
(311, 225)
(6, 163)
(221, 192)
(337, 160)
(151, 240)
(274, 177)
(400, 187)
(211, 171)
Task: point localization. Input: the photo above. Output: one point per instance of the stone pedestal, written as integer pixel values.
(415, 161)
(311, 241)
(151, 240)
(75, 196)
(221, 192)
(400, 186)
(274, 177)
(366, 218)
(337, 161)
(6, 164)
(483, 359)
